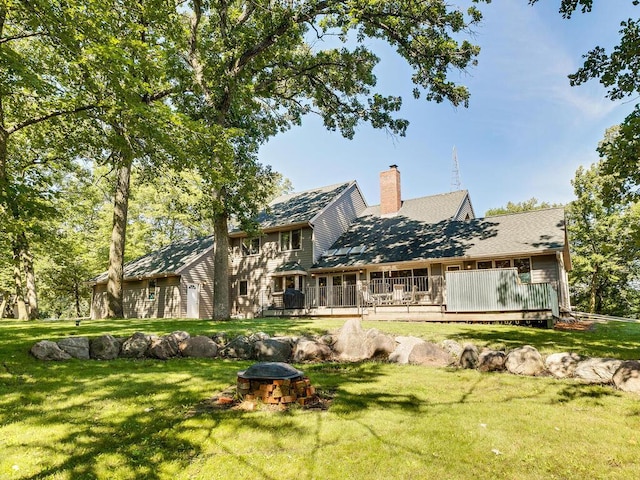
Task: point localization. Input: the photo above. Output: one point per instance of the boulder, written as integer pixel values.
(273, 350)
(417, 351)
(597, 370)
(453, 347)
(562, 365)
(48, 350)
(431, 355)
(627, 376)
(327, 339)
(469, 357)
(179, 335)
(525, 361)
(351, 342)
(240, 348)
(307, 350)
(199, 347)
(491, 360)
(136, 346)
(379, 344)
(256, 337)
(164, 347)
(220, 338)
(77, 347)
(104, 347)
(404, 346)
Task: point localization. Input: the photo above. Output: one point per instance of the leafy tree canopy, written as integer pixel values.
(519, 207)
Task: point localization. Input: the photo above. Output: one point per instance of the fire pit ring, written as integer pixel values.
(274, 383)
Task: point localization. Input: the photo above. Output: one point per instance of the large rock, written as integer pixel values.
(105, 347)
(77, 347)
(351, 342)
(491, 360)
(431, 355)
(468, 357)
(307, 350)
(562, 365)
(597, 370)
(627, 376)
(404, 347)
(378, 344)
(525, 361)
(240, 348)
(199, 347)
(136, 346)
(179, 335)
(453, 347)
(415, 350)
(48, 350)
(164, 347)
(273, 350)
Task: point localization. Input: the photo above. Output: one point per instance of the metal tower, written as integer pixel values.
(456, 184)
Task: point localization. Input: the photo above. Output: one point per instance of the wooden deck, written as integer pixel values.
(419, 313)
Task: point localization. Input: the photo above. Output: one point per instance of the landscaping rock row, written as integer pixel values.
(350, 344)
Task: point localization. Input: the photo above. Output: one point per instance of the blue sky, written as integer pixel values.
(524, 134)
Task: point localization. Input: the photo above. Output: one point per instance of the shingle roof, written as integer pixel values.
(430, 209)
(299, 207)
(168, 260)
(401, 239)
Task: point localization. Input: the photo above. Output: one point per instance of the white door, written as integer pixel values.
(193, 300)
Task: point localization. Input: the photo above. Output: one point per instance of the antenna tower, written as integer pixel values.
(455, 174)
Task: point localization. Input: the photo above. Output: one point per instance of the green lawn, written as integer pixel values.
(148, 418)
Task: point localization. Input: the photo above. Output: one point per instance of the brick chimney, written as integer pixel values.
(390, 198)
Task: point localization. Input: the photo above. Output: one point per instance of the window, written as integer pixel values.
(484, 265)
(291, 240)
(503, 263)
(250, 246)
(243, 288)
(151, 293)
(524, 269)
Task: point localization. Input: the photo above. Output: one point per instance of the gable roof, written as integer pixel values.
(430, 209)
(169, 260)
(302, 207)
(402, 239)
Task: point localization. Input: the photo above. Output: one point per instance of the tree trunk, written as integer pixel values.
(23, 314)
(31, 296)
(593, 290)
(76, 296)
(220, 267)
(118, 237)
(3, 305)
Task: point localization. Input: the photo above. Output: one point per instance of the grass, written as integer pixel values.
(131, 419)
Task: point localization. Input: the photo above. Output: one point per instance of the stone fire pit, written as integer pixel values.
(274, 383)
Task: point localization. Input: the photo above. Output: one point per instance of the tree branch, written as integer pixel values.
(33, 121)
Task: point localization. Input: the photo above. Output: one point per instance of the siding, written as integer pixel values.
(199, 272)
(465, 209)
(336, 219)
(258, 269)
(496, 290)
(544, 268)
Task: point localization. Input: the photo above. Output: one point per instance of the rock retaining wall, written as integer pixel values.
(350, 343)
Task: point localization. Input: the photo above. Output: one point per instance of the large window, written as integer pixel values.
(291, 240)
(243, 288)
(524, 269)
(383, 281)
(250, 246)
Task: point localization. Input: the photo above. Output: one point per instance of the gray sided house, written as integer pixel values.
(428, 258)
(173, 282)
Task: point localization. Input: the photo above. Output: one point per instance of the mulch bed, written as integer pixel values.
(227, 400)
(575, 326)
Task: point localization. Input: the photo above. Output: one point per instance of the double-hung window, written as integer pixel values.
(250, 246)
(291, 240)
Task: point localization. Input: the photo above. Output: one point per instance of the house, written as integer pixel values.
(424, 258)
(173, 282)
(325, 251)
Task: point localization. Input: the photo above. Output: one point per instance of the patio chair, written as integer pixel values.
(368, 299)
(411, 298)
